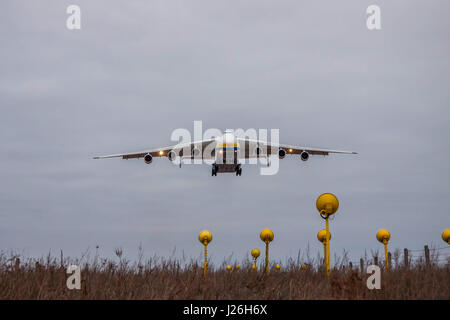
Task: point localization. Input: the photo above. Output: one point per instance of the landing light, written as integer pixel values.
(290, 150)
(161, 153)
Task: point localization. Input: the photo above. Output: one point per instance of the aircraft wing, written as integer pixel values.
(184, 150)
(250, 147)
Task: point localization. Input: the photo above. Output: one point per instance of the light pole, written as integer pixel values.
(255, 255)
(267, 236)
(322, 237)
(205, 237)
(383, 236)
(327, 204)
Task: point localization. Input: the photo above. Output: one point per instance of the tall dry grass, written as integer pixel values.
(159, 278)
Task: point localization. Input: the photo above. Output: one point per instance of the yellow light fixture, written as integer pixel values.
(321, 236)
(255, 255)
(327, 204)
(205, 237)
(383, 236)
(267, 236)
(446, 236)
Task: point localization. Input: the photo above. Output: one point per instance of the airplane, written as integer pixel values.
(227, 151)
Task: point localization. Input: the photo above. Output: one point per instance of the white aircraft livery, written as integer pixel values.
(225, 152)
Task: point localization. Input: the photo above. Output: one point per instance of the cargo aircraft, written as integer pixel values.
(227, 152)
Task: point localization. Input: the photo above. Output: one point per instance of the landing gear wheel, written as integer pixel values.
(214, 170)
(240, 171)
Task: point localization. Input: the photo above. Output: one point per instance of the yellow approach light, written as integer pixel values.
(321, 235)
(327, 204)
(205, 237)
(255, 253)
(446, 236)
(383, 236)
(267, 236)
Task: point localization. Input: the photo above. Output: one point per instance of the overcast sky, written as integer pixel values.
(137, 70)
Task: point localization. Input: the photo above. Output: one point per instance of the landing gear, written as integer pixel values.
(214, 170)
(238, 170)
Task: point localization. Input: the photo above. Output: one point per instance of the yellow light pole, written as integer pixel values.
(277, 267)
(321, 236)
(383, 236)
(267, 236)
(236, 267)
(255, 255)
(205, 237)
(327, 204)
(228, 269)
(446, 236)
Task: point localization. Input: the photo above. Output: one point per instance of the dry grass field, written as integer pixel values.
(158, 278)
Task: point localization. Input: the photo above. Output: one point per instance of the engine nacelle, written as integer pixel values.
(171, 155)
(304, 156)
(281, 153)
(196, 152)
(148, 158)
(259, 151)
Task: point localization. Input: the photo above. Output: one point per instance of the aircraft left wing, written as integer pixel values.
(251, 146)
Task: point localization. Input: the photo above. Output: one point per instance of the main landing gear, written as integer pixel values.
(238, 170)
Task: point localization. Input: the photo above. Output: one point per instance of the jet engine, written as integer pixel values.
(304, 156)
(171, 155)
(281, 153)
(148, 158)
